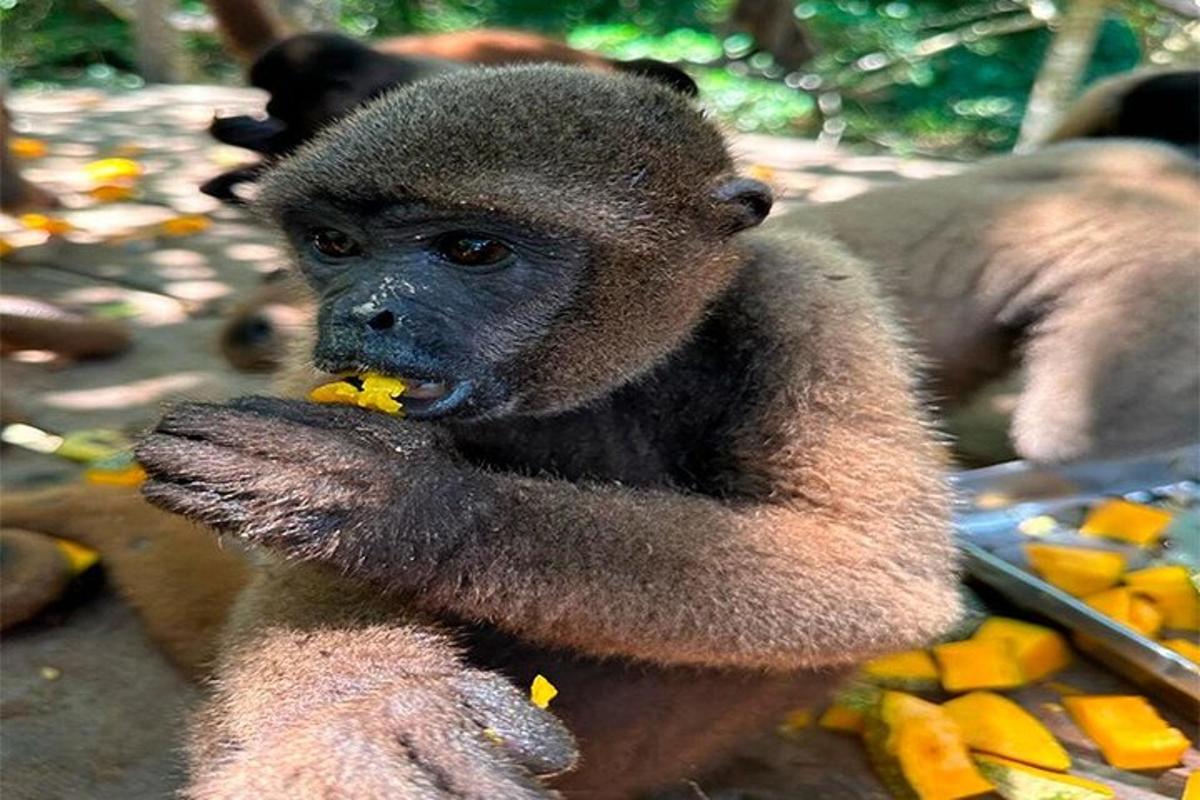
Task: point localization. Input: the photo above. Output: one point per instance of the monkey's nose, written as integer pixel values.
(382, 321)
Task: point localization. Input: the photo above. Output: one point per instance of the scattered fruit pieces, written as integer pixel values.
(79, 557)
(131, 475)
(919, 752)
(996, 725)
(1016, 781)
(1076, 570)
(1040, 651)
(55, 226)
(541, 691)
(1170, 589)
(1185, 647)
(111, 192)
(185, 225)
(1123, 606)
(843, 718)
(370, 390)
(1038, 526)
(27, 148)
(1128, 730)
(795, 721)
(978, 664)
(1130, 522)
(107, 170)
(910, 670)
(1191, 790)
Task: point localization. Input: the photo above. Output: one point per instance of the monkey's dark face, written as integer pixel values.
(443, 300)
(513, 241)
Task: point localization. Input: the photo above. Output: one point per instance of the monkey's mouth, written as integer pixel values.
(423, 397)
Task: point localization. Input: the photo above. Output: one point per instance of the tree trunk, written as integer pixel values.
(159, 54)
(1062, 70)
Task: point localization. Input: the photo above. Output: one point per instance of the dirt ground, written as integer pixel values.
(89, 709)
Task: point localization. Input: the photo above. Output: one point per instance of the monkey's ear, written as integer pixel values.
(742, 203)
(660, 71)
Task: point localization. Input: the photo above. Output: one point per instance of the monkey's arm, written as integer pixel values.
(833, 545)
(325, 689)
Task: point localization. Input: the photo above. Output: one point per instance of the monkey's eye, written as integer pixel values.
(333, 243)
(471, 250)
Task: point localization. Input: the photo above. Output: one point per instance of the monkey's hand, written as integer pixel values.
(303, 477)
(369, 714)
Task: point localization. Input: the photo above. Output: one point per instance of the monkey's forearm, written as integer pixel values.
(670, 577)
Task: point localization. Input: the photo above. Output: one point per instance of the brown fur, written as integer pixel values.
(251, 26)
(1149, 103)
(34, 574)
(1081, 263)
(707, 490)
(176, 576)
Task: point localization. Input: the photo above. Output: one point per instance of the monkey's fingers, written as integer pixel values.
(205, 506)
(531, 735)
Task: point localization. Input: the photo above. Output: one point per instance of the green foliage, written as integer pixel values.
(909, 75)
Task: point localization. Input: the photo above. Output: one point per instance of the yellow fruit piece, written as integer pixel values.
(1186, 648)
(994, 724)
(913, 670)
(842, 718)
(26, 147)
(111, 192)
(1130, 522)
(918, 750)
(185, 225)
(1122, 605)
(378, 392)
(1076, 570)
(541, 692)
(978, 664)
(1144, 617)
(132, 475)
(1171, 591)
(1016, 781)
(1191, 790)
(78, 557)
(1128, 730)
(54, 226)
(107, 170)
(795, 721)
(6, 247)
(1038, 526)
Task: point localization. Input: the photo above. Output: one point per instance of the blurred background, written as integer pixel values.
(908, 76)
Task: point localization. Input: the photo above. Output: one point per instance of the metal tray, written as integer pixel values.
(994, 501)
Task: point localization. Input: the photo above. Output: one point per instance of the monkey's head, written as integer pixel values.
(514, 241)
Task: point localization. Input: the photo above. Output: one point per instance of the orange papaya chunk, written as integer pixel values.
(1128, 731)
(1171, 591)
(1130, 522)
(1076, 570)
(918, 750)
(978, 664)
(910, 670)
(1040, 651)
(994, 724)
(843, 719)
(1186, 648)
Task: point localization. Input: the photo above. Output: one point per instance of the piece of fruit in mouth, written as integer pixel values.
(369, 390)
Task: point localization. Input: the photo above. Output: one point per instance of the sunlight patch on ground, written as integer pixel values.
(128, 395)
